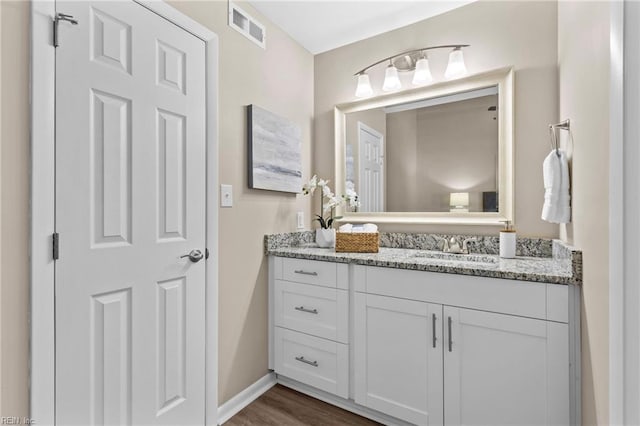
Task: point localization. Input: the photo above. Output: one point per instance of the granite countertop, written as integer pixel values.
(549, 261)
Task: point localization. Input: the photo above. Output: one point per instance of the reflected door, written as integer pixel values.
(371, 188)
(130, 201)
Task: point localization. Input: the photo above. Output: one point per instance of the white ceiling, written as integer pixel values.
(321, 25)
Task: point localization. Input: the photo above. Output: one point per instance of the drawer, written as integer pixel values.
(316, 362)
(310, 272)
(522, 298)
(320, 311)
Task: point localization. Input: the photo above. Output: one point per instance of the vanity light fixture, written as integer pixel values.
(391, 79)
(364, 86)
(455, 67)
(422, 75)
(413, 60)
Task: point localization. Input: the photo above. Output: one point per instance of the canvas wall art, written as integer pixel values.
(275, 152)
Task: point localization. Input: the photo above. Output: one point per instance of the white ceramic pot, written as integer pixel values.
(326, 237)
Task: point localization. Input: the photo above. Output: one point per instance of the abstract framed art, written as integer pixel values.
(275, 151)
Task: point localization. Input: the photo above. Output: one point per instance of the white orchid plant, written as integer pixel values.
(329, 201)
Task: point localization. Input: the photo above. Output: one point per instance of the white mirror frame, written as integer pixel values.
(503, 78)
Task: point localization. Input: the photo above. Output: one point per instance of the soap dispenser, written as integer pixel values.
(508, 241)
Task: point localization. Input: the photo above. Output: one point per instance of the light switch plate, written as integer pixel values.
(300, 220)
(226, 195)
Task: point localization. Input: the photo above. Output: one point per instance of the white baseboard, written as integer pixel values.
(246, 397)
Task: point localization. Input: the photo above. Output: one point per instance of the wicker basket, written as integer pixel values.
(357, 242)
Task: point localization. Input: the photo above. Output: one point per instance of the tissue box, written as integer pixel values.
(357, 242)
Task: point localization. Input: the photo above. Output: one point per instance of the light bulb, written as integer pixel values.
(364, 86)
(391, 80)
(422, 74)
(456, 67)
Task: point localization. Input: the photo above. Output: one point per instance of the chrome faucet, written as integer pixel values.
(465, 244)
(445, 243)
(453, 246)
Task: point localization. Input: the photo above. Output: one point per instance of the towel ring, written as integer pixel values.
(553, 139)
(564, 125)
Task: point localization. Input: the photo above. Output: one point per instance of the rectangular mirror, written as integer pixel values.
(439, 154)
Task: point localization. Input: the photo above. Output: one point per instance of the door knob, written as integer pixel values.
(194, 255)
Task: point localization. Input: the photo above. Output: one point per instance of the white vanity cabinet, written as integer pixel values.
(309, 323)
(488, 369)
(504, 369)
(431, 348)
(398, 357)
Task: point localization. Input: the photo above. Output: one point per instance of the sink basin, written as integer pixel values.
(480, 258)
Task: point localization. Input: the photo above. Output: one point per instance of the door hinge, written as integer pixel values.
(56, 246)
(56, 21)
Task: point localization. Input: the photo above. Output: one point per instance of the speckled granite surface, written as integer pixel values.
(541, 260)
(531, 247)
(289, 239)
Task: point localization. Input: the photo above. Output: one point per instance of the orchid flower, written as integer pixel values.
(329, 201)
(310, 187)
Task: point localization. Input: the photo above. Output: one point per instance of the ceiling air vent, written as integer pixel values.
(244, 23)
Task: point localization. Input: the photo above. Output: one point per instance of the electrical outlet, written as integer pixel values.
(300, 220)
(226, 196)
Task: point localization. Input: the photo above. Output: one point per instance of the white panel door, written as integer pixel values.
(398, 358)
(371, 157)
(504, 370)
(130, 201)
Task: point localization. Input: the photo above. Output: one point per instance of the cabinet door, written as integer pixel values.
(504, 370)
(398, 358)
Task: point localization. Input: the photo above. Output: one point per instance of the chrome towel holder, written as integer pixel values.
(563, 125)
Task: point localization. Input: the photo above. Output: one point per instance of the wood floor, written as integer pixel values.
(281, 406)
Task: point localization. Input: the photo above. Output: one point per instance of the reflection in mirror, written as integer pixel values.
(439, 154)
(432, 155)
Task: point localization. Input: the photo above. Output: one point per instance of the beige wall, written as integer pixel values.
(279, 79)
(402, 171)
(456, 157)
(430, 154)
(584, 98)
(522, 34)
(14, 190)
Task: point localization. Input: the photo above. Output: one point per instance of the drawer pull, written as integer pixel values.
(307, 310)
(300, 271)
(306, 361)
(450, 338)
(433, 329)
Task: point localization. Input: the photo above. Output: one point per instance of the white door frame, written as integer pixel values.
(42, 96)
(362, 126)
(624, 210)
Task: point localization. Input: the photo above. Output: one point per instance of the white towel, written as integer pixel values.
(370, 227)
(345, 228)
(367, 227)
(556, 208)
